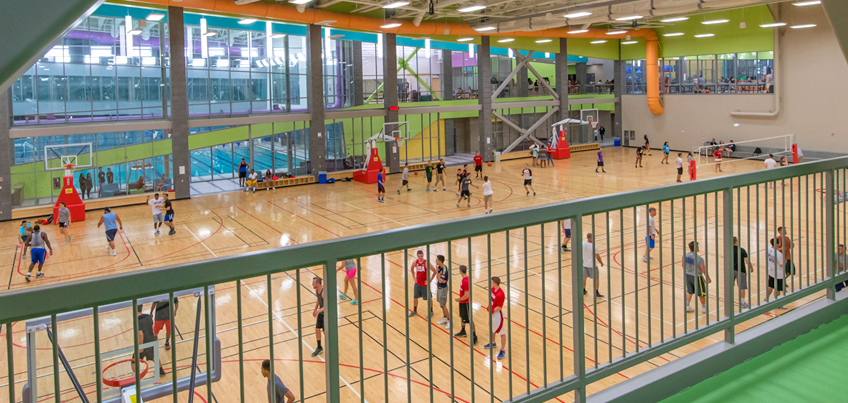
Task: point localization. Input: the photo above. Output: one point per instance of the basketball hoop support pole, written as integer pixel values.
(70, 197)
(68, 369)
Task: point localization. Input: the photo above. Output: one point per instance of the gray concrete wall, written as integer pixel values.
(179, 106)
(315, 99)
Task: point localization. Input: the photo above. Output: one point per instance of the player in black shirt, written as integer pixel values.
(169, 215)
(440, 174)
(146, 335)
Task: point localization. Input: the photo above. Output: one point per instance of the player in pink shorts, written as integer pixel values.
(349, 266)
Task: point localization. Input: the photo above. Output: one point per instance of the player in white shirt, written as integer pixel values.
(776, 272)
(770, 162)
(679, 163)
(251, 181)
(528, 180)
(488, 202)
(405, 179)
(156, 206)
(590, 254)
(651, 234)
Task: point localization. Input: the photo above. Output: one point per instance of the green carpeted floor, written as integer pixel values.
(811, 368)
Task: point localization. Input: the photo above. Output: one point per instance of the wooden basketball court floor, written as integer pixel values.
(639, 297)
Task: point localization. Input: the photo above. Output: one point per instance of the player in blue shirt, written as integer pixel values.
(381, 189)
(666, 150)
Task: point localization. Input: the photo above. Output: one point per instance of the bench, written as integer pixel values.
(300, 180)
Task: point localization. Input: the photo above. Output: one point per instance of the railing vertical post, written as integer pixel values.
(577, 309)
(829, 192)
(727, 250)
(331, 331)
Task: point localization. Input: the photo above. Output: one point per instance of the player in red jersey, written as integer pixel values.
(421, 288)
(498, 320)
(478, 165)
(717, 155)
(464, 300)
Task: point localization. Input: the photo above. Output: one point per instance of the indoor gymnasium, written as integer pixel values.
(423, 201)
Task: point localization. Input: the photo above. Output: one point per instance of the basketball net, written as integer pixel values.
(69, 170)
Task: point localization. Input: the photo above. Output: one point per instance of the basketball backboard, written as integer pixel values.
(58, 156)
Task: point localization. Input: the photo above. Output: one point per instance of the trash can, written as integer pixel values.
(497, 156)
(616, 141)
(322, 176)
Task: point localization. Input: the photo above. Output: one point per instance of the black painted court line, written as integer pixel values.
(12, 272)
(133, 249)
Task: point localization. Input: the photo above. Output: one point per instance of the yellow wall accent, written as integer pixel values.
(420, 145)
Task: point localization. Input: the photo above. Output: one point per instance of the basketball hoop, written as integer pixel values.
(121, 374)
(594, 124)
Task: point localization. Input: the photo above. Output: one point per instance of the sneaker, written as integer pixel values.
(435, 190)
(428, 190)
(501, 355)
(342, 297)
(443, 321)
(599, 295)
(113, 253)
(585, 292)
(457, 194)
(408, 190)
(567, 249)
(490, 211)
(461, 333)
(475, 340)
(412, 314)
(317, 351)
(447, 326)
(534, 194)
(444, 190)
(39, 275)
(398, 191)
(457, 205)
(167, 346)
(704, 309)
(782, 307)
(644, 258)
(27, 278)
(162, 371)
(156, 233)
(70, 238)
(743, 304)
(493, 345)
(65, 244)
(172, 232)
(469, 204)
(107, 248)
(486, 212)
(431, 315)
(689, 309)
(354, 302)
(528, 194)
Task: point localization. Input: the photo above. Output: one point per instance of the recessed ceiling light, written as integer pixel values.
(772, 25)
(210, 33)
(245, 21)
(155, 17)
(803, 26)
(506, 40)
(616, 32)
(464, 39)
(807, 3)
(471, 8)
(675, 19)
(278, 36)
(628, 18)
(299, 1)
(579, 31)
(134, 32)
(674, 34)
(704, 35)
(396, 4)
(736, 125)
(544, 40)
(597, 42)
(629, 42)
(484, 29)
(578, 14)
(711, 22)
(392, 25)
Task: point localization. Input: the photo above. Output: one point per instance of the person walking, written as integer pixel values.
(381, 188)
(318, 313)
(600, 161)
(488, 201)
(740, 258)
(349, 267)
(64, 222)
(405, 179)
(440, 175)
(428, 171)
(666, 151)
(528, 180)
(590, 270)
(112, 223)
(695, 269)
(277, 391)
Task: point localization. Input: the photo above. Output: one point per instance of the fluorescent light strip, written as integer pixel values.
(544, 40)
(464, 39)
(579, 31)
(597, 42)
(392, 25)
(210, 33)
(629, 42)
(245, 21)
(616, 32)
(471, 8)
(134, 32)
(299, 1)
(632, 17)
(711, 22)
(803, 26)
(278, 36)
(155, 17)
(675, 19)
(578, 14)
(704, 35)
(484, 29)
(674, 34)
(772, 25)
(506, 40)
(806, 3)
(396, 4)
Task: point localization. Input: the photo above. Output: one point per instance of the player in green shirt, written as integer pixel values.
(428, 170)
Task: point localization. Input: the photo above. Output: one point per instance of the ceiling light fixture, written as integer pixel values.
(675, 19)
(464, 39)
(210, 33)
(396, 4)
(471, 8)
(392, 25)
(629, 42)
(578, 14)
(299, 1)
(277, 36)
(704, 35)
(544, 40)
(484, 29)
(506, 40)
(803, 26)
(711, 22)
(616, 32)
(579, 31)
(632, 17)
(597, 42)
(134, 31)
(806, 3)
(674, 34)
(155, 17)
(245, 21)
(772, 25)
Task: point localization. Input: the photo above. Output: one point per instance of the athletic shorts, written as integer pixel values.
(147, 354)
(350, 273)
(242, 174)
(319, 321)
(718, 160)
(157, 218)
(405, 182)
(169, 218)
(250, 182)
(63, 224)
(440, 177)
(696, 286)
(429, 178)
(528, 182)
(742, 278)
(465, 193)
(498, 326)
(442, 296)
(478, 168)
(381, 189)
(780, 283)
(600, 163)
(487, 198)
(37, 255)
(24, 237)
(650, 242)
(790, 267)
(420, 292)
(591, 272)
(162, 324)
(568, 233)
(463, 312)
(680, 171)
(110, 234)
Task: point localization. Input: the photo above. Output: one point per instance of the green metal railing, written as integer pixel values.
(629, 326)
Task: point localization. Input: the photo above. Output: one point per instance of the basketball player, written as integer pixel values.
(146, 335)
(528, 180)
(697, 278)
(405, 178)
(277, 391)
(488, 201)
(443, 289)
(24, 226)
(740, 255)
(318, 313)
(461, 174)
(464, 300)
(109, 219)
(428, 170)
(349, 267)
(440, 175)
(421, 288)
(498, 320)
(639, 152)
(381, 188)
(717, 155)
(566, 229)
(666, 151)
(169, 215)
(693, 168)
(679, 163)
(162, 318)
(478, 165)
(156, 206)
(464, 191)
(650, 238)
(64, 222)
(784, 245)
(776, 271)
(590, 255)
(36, 241)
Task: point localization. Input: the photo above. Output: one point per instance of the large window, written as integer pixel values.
(746, 73)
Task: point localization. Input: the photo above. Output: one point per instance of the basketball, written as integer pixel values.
(416, 172)
(490, 164)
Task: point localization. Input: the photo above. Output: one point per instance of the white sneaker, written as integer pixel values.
(447, 326)
(743, 304)
(644, 258)
(689, 309)
(108, 248)
(704, 309)
(113, 253)
(443, 321)
(156, 233)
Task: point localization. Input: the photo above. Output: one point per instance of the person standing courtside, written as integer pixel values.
(169, 215)
(498, 320)
(242, 171)
(64, 222)
(112, 223)
(421, 289)
(156, 207)
(318, 313)
(464, 300)
(440, 175)
(784, 245)
(590, 270)
(695, 269)
(600, 161)
(650, 237)
(740, 257)
(679, 163)
(381, 188)
(478, 165)
(488, 201)
(776, 271)
(277, 391)
(162, 318)
(37, 240)
(443, 290)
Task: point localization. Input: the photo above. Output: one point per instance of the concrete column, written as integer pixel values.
(5, 163)
(179, 105)
(390, 97)
(484, 90)
(358, 96)
(561, 73)
(522, 82)
(581, 77)
(447, 75)
(315, 100)
(618, 90)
